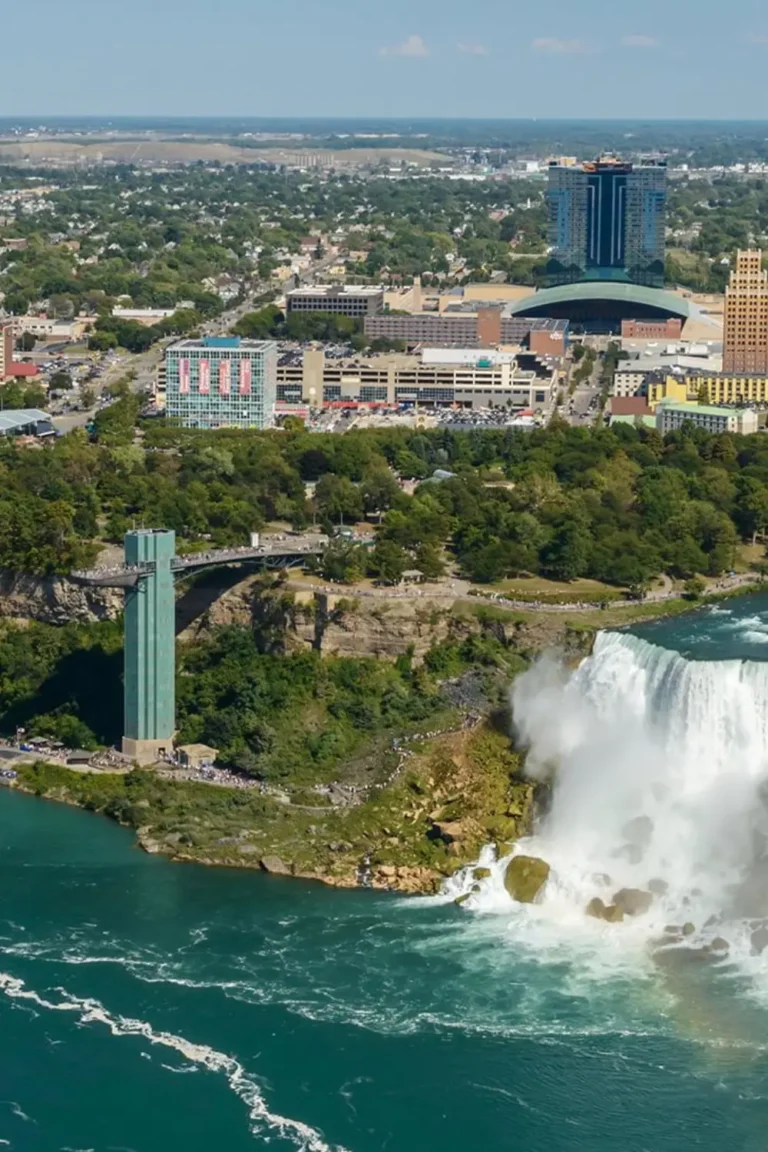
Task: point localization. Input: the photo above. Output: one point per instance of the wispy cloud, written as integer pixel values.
(413, 46)
(639, 42)
(757, 37)
(562, 47)
(473, 49)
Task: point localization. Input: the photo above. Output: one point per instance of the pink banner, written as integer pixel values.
(245, 377)
(204, 377)
(184, 376)
(224, 377)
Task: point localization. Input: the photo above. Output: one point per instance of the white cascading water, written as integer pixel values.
(661, 774)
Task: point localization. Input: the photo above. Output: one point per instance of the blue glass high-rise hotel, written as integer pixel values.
(223, 381)
(607, 221)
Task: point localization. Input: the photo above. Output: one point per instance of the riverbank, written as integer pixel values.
(419, 805)
(458, 792)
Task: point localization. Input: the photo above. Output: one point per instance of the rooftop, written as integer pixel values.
(337, 290)
(21, 368)
(222, 343)
(13, 419)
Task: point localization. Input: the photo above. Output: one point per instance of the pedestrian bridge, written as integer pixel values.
(272, 553)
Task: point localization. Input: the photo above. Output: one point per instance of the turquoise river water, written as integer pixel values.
(153, 1007)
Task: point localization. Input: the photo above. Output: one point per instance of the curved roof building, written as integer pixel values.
(602, 302)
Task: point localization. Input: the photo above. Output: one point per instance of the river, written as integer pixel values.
(150, 1007)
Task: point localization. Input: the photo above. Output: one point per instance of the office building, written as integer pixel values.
(470, 328)
(221, 381)
(464, 378)
(745, 326)
(670, 416)
(341, 300)
(606, 221)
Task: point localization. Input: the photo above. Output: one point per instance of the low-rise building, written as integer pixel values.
(145, 316)
(671, 416)
(473, 327)
(339, 300)
(718, 388)
(463, 378)
(45, 329)
(670, 329)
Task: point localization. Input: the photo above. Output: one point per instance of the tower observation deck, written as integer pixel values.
(147, 575)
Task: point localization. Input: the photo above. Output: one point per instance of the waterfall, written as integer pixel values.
(659, 769)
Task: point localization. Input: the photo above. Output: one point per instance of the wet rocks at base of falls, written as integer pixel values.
(633, 901)
(525, 877)
(625, 902)
(599, 910)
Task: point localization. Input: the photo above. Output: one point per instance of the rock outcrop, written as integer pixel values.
(56, 599)
(525, 877)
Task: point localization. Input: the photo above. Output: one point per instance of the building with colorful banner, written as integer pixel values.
(221, 382)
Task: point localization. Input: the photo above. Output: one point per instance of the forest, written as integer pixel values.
(618, 504)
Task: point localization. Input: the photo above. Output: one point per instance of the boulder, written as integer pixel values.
(633, 901)
(759, 940)
(600, 911)
(462, 899)
(658, 887)
(719, 944)
(481, 873)
(525, 877)
(275, 866)
(688, 928)
(449, 831)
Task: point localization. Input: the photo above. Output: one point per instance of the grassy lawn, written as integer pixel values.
(538, 588)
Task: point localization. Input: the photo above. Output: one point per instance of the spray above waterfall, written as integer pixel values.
(659, 784)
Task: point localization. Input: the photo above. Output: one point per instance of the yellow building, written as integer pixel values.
(713, 388)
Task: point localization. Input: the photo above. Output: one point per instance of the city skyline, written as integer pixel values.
(430, 59)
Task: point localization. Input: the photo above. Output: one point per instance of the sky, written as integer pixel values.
(562, 59)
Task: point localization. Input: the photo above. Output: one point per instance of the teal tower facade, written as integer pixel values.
(150, 690)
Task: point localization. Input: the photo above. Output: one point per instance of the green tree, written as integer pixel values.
(388, 561)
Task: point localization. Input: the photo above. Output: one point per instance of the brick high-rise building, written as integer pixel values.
(745, 333)
(6, 348)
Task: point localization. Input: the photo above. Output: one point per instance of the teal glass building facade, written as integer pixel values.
(607, 222)
(222, 382)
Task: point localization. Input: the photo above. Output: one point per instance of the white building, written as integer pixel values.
(670, 416)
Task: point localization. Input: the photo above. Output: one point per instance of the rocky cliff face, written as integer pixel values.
(55, 599)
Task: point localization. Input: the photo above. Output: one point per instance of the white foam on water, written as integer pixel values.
(639, 734)
(263, 1122)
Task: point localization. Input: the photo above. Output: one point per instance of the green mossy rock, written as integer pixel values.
(481, 873)
(525, 877)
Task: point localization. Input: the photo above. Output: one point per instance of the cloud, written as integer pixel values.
(562, 47)
(473, 49)
(757, 37)
(413, 46)
(639, 42)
